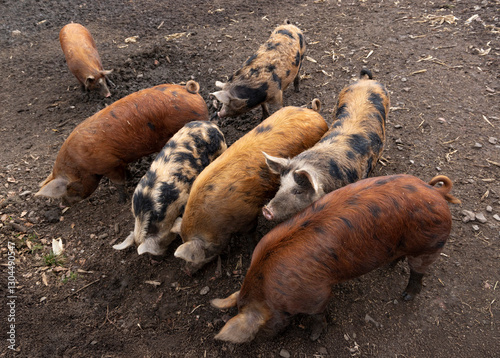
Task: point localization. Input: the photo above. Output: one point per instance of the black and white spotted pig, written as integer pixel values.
(265, 75)
(347, 152)
(162, 193)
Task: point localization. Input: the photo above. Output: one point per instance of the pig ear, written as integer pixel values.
(150, 246)
(191, 251)
(129, 241)
(176, 228)
(225, 303)
(275, 164)
(88, 80)
(241, 328)
(56, 188)
(220, 84)
(222, 96)
(105, 72)
(306, 178)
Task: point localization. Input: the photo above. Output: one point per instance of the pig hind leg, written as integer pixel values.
(318, 325)
(418, 267)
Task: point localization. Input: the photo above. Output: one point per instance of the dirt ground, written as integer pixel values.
(440, 62)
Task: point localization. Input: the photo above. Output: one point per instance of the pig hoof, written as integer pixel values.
(407, 296)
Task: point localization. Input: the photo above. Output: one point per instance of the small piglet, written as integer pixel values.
(345, 234)
(348, 152)
(227, 196)
(83, 59)
(162, 193)
(132, 127)
(265, 75)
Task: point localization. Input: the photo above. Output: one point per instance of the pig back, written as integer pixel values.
(134, 126)
(343, 235)
(227, 196)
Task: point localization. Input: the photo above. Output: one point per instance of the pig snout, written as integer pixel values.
(268, 213)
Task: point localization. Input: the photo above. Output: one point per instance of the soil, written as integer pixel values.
(442, 72)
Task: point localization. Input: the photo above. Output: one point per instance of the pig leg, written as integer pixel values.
(296, 82)
(418, 266)
(265, 111)
(118, 176)
(318, 326)
(414, 286)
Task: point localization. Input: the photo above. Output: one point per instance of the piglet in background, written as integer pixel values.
(161, 195)
(348, 152)
(265, 75)
(83, 59)
(130, 128)
(345, 234)
(228, 195)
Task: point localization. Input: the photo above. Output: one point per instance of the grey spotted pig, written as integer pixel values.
(346, 153)
(265, 74)
(162, 193)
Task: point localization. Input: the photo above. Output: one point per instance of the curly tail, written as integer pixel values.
(445, 189)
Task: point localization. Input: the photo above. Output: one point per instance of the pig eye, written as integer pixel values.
(297, 191)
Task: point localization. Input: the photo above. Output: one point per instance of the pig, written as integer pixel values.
(265, 75)
(130, 128)
(227, 196)
(348, 152)
(83, 59)
(345, 234)
(162, 193)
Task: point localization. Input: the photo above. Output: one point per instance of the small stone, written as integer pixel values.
(284, 353)
(406, 89)
(117, 228)
(93, 343)
(369, 319)
(493, 140)
(395, 302)
(475, 227)
(398, 126)
(102, 236)
(481, 218)
(478, 145)
(496, 217)
(438, 169)
(51, 215)
(399, 141)
(412, 161)
(404, 79)
(323, 351)
(93, 236)
(204, 290)
(489, 209)
(468, 216)
(16, 33)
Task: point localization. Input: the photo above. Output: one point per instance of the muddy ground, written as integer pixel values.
(442, 71)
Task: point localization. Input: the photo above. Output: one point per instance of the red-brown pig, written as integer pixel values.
(344, 234)
(265, 75)
(132, 127)
(227, 196)
(83, 59)
(348, 152)
(161, 195)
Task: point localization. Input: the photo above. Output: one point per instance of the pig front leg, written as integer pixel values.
(118, 176)
(296, 83)
(265, 111)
